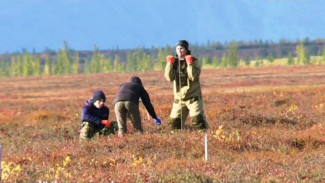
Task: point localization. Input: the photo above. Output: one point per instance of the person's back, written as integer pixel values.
(130, 91)
(126, 104)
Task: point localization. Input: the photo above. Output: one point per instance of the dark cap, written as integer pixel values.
(98, 95)
(183, 43)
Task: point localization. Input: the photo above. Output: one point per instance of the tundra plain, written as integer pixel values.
(265, 125)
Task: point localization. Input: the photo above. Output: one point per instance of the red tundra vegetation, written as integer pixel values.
(266, 125)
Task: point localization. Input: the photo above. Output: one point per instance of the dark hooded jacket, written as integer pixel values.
(92, 114)
(133, 91)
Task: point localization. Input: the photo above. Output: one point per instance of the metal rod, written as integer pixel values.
(0, 162)
(180, 90)
(206, 146)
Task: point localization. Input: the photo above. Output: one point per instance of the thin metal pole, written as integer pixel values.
(206, 146)
(180, 90)
(0, 162)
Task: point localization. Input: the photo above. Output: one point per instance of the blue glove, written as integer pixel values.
(157, 121)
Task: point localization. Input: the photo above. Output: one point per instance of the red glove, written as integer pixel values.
(189, 59)
(170, 59)
(106, 123)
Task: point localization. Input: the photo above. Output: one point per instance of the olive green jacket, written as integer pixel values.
(188, 77)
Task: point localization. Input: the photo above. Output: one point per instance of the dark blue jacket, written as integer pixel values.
(92, 114)
(133, 91)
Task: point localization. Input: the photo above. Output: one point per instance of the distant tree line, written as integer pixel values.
(213, 55)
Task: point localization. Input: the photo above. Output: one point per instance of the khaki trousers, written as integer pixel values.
(192, 107)
(124, 110)
(89, 130)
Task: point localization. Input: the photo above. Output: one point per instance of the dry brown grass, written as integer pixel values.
(272, 130)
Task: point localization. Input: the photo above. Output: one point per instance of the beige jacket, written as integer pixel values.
(190, 79)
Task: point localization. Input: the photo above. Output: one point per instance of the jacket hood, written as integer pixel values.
(136, 79)
(89, 102)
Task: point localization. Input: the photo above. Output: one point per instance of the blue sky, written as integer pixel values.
(38, 24)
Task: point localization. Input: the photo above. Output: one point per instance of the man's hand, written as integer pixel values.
(106, 123)
(170, 59)
(189, 59)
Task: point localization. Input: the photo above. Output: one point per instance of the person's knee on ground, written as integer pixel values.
(199, 122)
(175, 123)
(85, 131)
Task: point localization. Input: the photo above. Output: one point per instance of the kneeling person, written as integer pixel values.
(94, 117)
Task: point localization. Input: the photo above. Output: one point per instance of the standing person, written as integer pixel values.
(184, 71)
(126, 105)
(94, 117)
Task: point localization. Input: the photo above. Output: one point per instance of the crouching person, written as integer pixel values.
(126, 105)
(94, 117)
